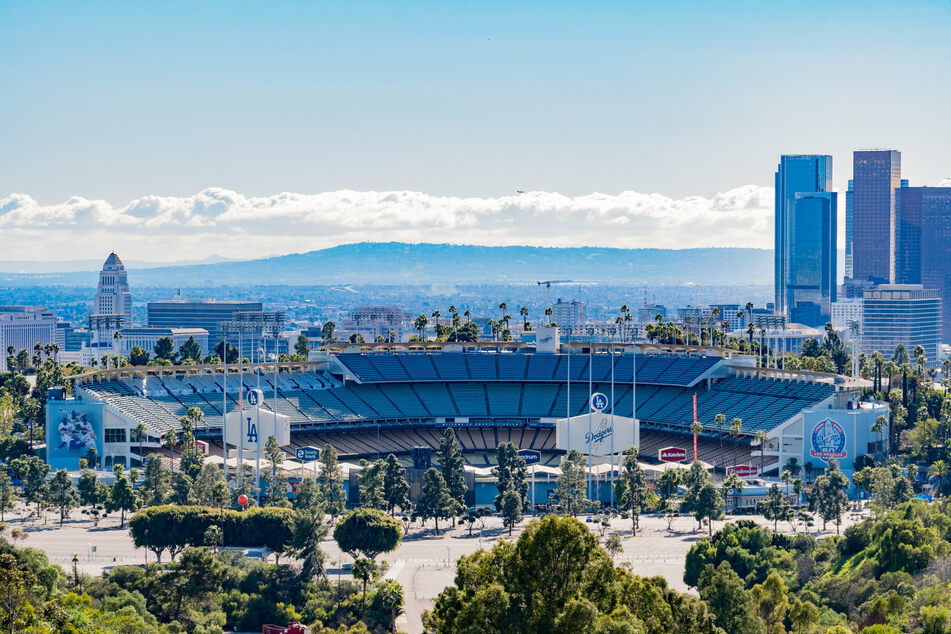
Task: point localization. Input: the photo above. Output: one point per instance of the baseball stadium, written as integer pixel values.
(372, 400)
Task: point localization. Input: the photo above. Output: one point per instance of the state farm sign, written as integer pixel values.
(743, 470)
(671, 454)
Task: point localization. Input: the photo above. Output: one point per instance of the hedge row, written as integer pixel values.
(174, 528)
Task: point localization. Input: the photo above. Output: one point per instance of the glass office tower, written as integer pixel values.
(848, 232)
(876, 174)
(923, 243)
(796, 174)
(811, 258)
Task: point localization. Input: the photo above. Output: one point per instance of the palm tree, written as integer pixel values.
(762, 439)
(877, 361)
(170, 438)
(878, 427)
(715, 314)
(548, 312)
(720, 420)
(938, 471)
(435, 316)
(736, 428)
(37, 349)
(420, 324)
(751, 330)
(787, 477)
(115, 338)
(695, 428)
(140, 430)
(467, 314)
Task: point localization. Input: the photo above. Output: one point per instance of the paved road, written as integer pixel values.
(424, 564)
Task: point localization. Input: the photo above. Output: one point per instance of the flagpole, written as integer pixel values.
(612, 419)
(590, 392)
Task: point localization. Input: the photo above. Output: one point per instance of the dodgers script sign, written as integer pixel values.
(743, 470)
(828, 440)
(671, 454)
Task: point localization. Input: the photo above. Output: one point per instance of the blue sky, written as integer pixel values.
(115, 101)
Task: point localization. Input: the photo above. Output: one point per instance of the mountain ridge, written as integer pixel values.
(424, 263)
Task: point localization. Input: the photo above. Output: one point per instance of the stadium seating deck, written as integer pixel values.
(416, 367)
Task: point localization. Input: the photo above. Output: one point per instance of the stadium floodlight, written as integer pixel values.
(106, 323)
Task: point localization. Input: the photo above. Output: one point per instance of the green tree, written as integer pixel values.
(556, 578)
(708, 505)
(327, 333)
(395, 486)
(32, 471)
(450, 460)
(435, 501)
(190, 350)
(420, 324)
(634, 488)
(772, 602)
(726, 595)
(668, 481)
(302, 346)
(156, 484)
(775, 507)
(274, 478)
(802, 615)
(330, 482)
(16, 590)
(232, 351)
(830, 490)
(165, 349)
(121, 498)
(61, 495)
(510, 471)
(572, 484)
(371, 479)
(8, 494)
(138, 356)
(511, 508)
(761, 440)
(733, 485)
(368, 532)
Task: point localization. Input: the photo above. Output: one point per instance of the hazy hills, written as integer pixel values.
(402, 263)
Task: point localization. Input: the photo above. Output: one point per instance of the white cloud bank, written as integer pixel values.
(223, 222)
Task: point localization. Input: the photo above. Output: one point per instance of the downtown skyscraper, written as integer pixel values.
(923, 243)
(805, 238)
(876, 174)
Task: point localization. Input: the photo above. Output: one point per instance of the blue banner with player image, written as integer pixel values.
(72, 428)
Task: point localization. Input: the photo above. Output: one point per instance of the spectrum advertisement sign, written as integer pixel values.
(72, 429)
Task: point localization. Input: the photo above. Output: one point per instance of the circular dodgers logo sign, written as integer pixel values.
(828, 440)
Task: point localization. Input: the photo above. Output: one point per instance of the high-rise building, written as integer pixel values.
(798, 174)
(876, 174)
(848, 231)
(901, 314)
(112, 294)
(923, 243)
(811, 258)
(22, 327)
(208, 314)
(571, 317)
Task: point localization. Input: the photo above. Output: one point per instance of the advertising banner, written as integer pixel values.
(72, 428)
(671, 454)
